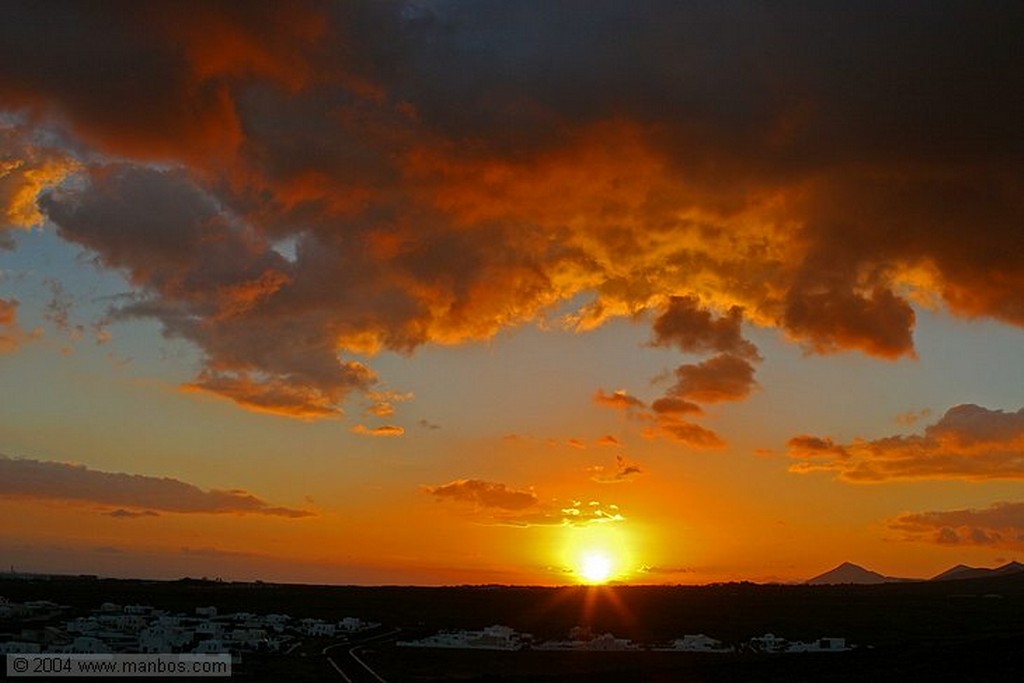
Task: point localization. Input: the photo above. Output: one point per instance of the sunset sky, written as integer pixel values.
(444, 292)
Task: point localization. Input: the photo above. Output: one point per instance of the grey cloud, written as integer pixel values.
(48, 480)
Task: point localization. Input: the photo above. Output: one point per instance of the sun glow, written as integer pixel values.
(596, 567)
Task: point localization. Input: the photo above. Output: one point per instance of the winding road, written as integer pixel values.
(349, 665)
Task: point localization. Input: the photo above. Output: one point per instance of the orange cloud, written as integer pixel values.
(383, 430)
(724, 377)
(433, 195)
(912, 417)
(968, 442)
(688, 433)
(28, 168)
(275, 395)
(619, 399)
(12, 336)
(47, 480)
(503, 506)
(672, 405)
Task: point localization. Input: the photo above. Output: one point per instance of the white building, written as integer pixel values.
(316, 627)
(209, 612)
(250, 638)
(19, 647)
(87, 645)
(130, 622)
(602, 643)
(769, 642)
(695, 643)
(209, 628)
(82, 625)
(160, 638)
(491, 638)
(354, 624)
(820, 645)
(211, 647)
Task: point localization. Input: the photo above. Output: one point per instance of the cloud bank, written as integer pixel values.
(132, 495)
(968, 442)
(1000, 525)
(441, 171)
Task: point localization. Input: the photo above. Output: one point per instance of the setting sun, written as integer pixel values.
(596, 567)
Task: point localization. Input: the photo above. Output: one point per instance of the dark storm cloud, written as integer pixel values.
(685, 324)
(445, 170)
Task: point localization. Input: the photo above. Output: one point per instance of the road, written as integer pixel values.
(349, 665)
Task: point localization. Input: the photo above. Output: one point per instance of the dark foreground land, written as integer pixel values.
(970, 630)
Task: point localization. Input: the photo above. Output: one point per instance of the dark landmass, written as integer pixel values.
(952, 630)
(848, 572)
(962, 571)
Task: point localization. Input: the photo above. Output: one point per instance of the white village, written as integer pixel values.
(113, 628)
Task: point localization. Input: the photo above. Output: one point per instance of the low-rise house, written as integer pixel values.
(316, 627)
(820, 645)
(130, 622)
(250, 638)
(87, 645)
(209, 629)
(276, 622)
(354, 625)
(138, 609)
(208, 612)
(211, 646)
(695, 643)
(19, 647)
(769, 642)
(82, 625)
(491, 638)
(581, 640)
(160, 638)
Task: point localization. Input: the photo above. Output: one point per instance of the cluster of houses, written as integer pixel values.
(144, 629)
(113, 628)
(582, 640)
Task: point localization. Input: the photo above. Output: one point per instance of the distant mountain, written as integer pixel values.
(848, 572)
(962, 571)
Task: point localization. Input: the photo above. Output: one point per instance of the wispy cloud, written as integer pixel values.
(495, 503)
(620, 399)
(624, 470)
(382, 430)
